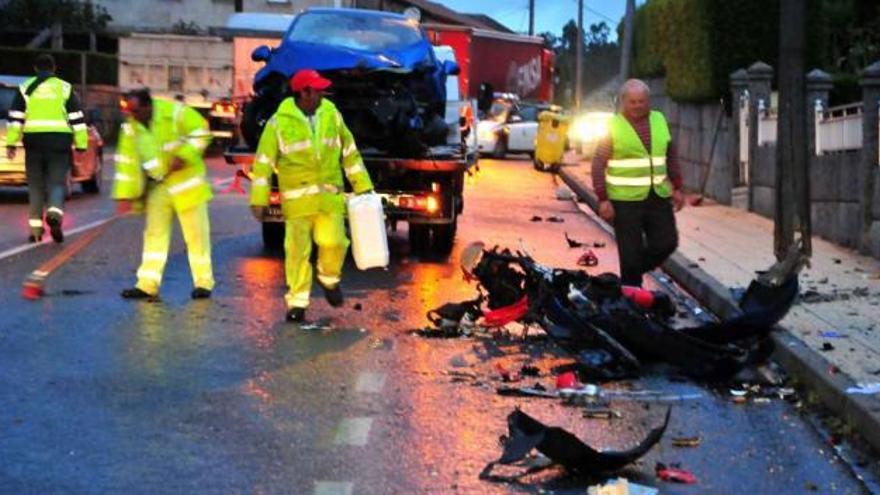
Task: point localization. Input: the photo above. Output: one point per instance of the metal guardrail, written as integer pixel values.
(838, 128)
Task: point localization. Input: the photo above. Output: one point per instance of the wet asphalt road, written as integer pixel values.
(100, 395)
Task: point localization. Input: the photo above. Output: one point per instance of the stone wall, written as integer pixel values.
(692, 127)
(834, 193)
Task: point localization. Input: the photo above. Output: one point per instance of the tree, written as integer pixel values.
(597, 35)
(72, 15)
(599, 59)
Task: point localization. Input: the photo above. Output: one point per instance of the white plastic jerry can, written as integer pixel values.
(369, 240)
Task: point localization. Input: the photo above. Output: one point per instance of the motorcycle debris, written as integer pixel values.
(686, 442)
(674, 474)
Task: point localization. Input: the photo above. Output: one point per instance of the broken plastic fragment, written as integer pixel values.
(502, 316)
(573, 243)
(686, 442)
(867, 389)
(675, 475)
(588, 259)
(563, 448)
(566, 380)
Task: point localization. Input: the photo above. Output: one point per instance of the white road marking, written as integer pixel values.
(89, 226)
(223, 182)
(353, 431)
(333, 488)
(370, 383)
(74, 231)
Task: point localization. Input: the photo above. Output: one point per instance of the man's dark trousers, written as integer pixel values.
(46, 169)
(646, 235)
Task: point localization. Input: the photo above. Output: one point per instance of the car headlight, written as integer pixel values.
(585, 130)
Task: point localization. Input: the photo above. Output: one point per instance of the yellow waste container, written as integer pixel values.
(550, 142)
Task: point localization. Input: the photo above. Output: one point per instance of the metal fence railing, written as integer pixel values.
(838, 128)
(767, 124)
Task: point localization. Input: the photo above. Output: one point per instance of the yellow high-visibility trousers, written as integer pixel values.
(196, 229)
(328, 231)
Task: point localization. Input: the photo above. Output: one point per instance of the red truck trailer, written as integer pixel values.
(510, 63)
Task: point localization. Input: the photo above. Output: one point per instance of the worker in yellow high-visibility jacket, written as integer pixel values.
(159, 158)
(307, 144)
(46, 116)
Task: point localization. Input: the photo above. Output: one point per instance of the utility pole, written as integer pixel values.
(579, 55)
(792, 207)
(531, 17)
(627, 48)
(239, 5)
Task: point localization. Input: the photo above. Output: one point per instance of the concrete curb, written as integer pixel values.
(862, 412)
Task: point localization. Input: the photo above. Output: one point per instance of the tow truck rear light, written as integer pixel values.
(432, 204)
(428, 204)
(221, 107)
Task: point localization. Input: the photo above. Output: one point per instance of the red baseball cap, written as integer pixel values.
(308, 78)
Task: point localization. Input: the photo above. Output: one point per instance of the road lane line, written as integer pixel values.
(218, 183)
(74, 231)
(334, 488)
(370, 383)
(353, 431)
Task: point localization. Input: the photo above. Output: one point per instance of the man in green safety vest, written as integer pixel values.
(638, 180)
(159, 159)
(47, 117)
(307, 144)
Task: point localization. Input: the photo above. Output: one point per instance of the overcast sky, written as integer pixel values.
(550, 15)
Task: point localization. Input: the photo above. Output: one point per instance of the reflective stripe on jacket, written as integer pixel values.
(47, 109)
(310, 162)
(176, 131)
(633, 170)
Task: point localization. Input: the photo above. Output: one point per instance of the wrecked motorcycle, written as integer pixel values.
(611, 329)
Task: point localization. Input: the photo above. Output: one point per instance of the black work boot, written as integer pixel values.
(138, 294)
(36, 236)
(54, 221)
(200, 293)
(334, 295)
(296, 315)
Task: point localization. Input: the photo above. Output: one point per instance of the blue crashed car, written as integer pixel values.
(387, 81)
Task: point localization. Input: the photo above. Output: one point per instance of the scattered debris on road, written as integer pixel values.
(588, 259)
(675, 474)
(866, 389)
(686, 442)
(562, 448)
(573, 243)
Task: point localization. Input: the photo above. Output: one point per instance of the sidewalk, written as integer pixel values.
(722, 247)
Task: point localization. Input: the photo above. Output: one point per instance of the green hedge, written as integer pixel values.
(100, 68)
(696, 44)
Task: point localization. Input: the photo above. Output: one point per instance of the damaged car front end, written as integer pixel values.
(387, 81)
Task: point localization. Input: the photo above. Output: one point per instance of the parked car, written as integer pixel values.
(86, 171)
(510, 127)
